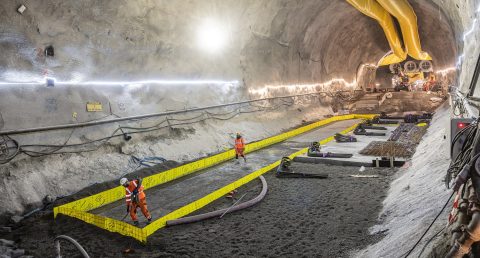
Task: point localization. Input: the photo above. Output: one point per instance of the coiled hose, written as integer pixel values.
(218, 213)
(71, 240)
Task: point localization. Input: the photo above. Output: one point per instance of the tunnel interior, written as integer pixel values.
(88, 88)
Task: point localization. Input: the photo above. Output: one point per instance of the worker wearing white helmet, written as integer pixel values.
(135, 197)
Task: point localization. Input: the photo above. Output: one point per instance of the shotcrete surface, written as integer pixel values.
(416, 196)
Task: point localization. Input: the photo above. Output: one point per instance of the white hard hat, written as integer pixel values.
(123, 181)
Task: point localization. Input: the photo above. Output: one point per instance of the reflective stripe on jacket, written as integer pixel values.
(129, 190)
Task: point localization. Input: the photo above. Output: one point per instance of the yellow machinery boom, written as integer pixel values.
(374, 10)
(381, 10)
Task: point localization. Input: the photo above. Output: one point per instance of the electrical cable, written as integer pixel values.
(430, 226)
(464, 156)
(9, 157)
(144, 116)
(430, 240)
(29, 153)
(30, 149)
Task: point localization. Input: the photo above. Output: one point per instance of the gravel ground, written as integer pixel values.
(298, 218)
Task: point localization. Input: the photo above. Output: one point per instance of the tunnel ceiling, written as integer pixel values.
(269, 42)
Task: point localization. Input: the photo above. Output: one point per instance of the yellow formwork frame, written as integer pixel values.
(78, 209)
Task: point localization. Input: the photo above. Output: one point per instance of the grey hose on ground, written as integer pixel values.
(71, 240)
(218, 213)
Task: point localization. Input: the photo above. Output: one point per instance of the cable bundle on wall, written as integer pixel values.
(462, 160)
(168, 121)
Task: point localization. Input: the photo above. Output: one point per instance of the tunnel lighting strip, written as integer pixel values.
(307, 86)
(159, 82)
(298, 87)
(22, 83)
(128, 83)
(467, 33)
(447, 70)
(470, 30)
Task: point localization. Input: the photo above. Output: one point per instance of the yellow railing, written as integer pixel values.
(78, 209)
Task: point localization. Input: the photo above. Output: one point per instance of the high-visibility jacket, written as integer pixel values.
(239, 143)
(129, 190)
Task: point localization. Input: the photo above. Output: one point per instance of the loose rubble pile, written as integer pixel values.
(8, 249)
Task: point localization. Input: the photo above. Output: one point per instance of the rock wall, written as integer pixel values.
(271, 43)
(416, 196)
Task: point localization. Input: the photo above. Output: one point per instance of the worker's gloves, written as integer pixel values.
(128, 208)
(135, 191)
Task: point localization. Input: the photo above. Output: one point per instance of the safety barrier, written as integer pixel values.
(78, 209)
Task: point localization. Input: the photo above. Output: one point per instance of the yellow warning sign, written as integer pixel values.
(94, 106)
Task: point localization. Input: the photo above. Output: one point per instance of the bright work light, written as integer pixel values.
(211, 36)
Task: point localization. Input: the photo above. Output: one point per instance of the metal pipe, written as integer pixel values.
(71, 240)
(85, 124)
(217, 213)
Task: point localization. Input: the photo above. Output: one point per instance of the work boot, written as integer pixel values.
(230, 195)
(245, 159)
(135, 223)
(149, 221)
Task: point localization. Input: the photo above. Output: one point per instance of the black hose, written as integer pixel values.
(429, 226)
(217, 213)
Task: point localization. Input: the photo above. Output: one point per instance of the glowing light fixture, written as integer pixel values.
(211, 36)
(461, 125)
(446, 70)
(158, 82)
(467, 33)
(470, 30)
(129, 83)
(301, 88)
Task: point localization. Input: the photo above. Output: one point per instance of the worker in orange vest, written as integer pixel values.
(240, 147)
(135, 198)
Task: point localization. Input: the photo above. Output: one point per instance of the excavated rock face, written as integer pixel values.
(269, 42)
